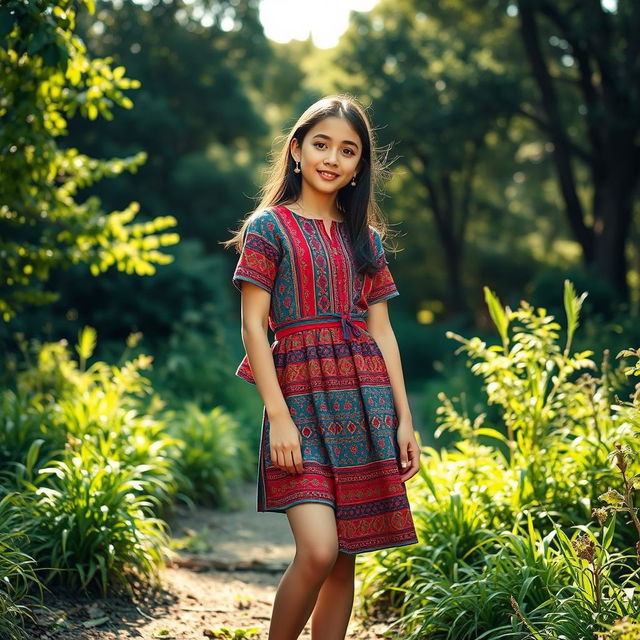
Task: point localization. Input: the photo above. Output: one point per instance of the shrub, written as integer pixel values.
(90, 518)
(212, 457)
(98, 470)
(493, 561)
(17, 576)
(61, 398)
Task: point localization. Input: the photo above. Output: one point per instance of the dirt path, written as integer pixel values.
(225, 576)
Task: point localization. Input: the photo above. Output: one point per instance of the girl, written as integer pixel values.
(337, 435)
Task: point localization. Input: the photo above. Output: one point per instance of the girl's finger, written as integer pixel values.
(297, 460)
(404, 456)
(414, 467)
(291, 467)
(280, 460)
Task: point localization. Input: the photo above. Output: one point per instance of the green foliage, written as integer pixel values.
(101, 402)
(21, 425)
(196, 361)
(558, 419)
(494, 561)
(17, 576)
(205, 131)
(90, 518)
(214, 458)
(46, 77)
(92, 465)
(92, 458)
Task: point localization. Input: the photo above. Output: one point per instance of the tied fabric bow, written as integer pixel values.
(349, 328)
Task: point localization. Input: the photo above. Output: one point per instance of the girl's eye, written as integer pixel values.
(322, 145)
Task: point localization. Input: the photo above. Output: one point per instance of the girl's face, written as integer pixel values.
(329, 156)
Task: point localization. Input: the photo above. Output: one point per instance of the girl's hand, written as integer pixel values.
(284, 440)
(409, 452)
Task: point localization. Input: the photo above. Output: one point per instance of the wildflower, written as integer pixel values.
(584, 548)
(600, 515)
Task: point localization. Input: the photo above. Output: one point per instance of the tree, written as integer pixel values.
(199, 112)
(588, 57)
(440, 94)
(46, 77)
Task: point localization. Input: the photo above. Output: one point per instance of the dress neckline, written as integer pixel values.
(295, 213)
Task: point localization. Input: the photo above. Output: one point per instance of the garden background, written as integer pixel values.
(134, 138)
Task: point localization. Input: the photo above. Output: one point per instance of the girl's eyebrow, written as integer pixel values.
(326, 137)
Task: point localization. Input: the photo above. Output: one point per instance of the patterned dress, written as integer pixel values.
(332, 375)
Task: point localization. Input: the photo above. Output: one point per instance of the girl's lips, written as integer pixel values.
(328, 175)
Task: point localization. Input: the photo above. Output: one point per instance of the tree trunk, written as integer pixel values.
(562, 152)
(613, 206)
(613, 159)
(451, 216)
(445, 214)
(456, 302)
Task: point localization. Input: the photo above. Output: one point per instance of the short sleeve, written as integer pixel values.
(383, 286)
(261, 251)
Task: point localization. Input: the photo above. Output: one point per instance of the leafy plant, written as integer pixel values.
(20, 425)
(212, 456)
(62, 397)
(17, 574)
(91, 519)
(556, 416)
(494, 561)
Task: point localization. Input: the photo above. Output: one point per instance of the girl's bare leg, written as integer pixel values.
(314, 530)
(331, 614)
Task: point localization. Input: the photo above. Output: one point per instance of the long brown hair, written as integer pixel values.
(357, 204)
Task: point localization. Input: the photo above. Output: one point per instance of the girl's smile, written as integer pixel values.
(328, 175)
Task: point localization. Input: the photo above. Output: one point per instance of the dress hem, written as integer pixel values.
(353, 553)
(293, 504)
(386, 546)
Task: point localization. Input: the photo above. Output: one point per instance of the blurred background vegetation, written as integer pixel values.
(516, 164)
(134, 138)
(514, 132)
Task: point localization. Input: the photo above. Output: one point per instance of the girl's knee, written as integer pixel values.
(318, 560)
(344, 567)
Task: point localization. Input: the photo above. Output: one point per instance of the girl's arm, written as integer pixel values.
(379, 327)
(283, 435)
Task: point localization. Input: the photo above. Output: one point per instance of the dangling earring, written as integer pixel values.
(353, 181)
(297, 169)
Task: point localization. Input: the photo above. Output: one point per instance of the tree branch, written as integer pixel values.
(577, 150)
(557, 134)
(465, 204)
(585, 81)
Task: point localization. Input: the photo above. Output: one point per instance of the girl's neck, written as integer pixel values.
(318, 204)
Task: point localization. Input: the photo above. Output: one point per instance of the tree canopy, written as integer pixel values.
(46, 76)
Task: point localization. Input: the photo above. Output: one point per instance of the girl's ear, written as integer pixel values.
(295, 149)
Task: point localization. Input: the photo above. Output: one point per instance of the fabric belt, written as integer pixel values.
(350, 323)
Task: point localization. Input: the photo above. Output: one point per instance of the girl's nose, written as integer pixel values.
(332, 157)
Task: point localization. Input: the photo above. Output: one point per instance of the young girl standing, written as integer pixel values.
(337, 436)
